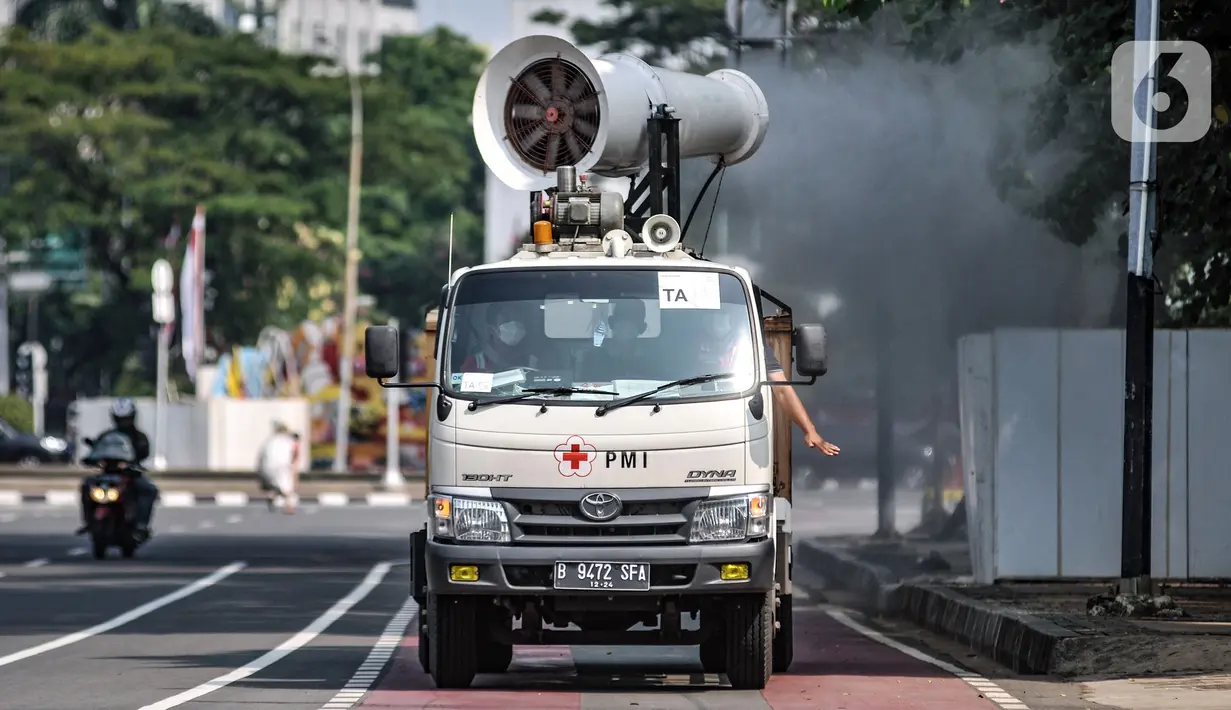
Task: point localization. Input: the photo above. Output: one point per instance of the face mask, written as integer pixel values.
(510, 333)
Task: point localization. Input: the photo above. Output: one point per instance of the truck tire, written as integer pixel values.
(494, 657)
(784, 639)
(750, 641)
(452, 636)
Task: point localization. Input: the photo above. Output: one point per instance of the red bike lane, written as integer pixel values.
(836, 667)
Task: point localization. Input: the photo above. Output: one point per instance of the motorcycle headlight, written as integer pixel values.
(113, 494)
(52, 444)
(468, 520)
(98, 494)
(730, 519)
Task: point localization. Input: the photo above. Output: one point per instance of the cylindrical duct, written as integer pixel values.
(542, 103)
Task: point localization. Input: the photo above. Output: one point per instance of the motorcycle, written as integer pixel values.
(111, 521)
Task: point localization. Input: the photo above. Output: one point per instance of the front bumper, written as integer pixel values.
(513, 570)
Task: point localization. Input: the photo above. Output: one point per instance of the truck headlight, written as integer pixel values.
(730, 519)
(468, 520)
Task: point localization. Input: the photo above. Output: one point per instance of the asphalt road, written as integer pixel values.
(238, 607)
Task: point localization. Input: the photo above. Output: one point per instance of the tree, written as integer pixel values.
(692, 32)
(67, 20)
(422, 167)
(121, 134)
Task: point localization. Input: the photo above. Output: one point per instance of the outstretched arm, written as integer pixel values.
(794, 406)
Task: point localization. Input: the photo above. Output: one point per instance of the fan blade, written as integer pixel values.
(588, 104)
(584, 127)
(578, 88)
(527, 112)
(557, 78)
(535, 87)
(574, 147)
(553, 151)
(526, 142)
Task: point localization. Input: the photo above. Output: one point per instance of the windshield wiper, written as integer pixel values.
(696, 380)
(536, 392)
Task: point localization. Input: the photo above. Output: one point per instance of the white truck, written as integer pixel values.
(606, 464)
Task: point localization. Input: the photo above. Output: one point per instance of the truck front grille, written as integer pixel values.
(553, 517)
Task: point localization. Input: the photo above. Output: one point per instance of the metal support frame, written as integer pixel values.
(658, 191)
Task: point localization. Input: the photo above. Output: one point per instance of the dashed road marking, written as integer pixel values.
(37, 562)
(232, 519)
(989, 689)
(78, 551)
(367, 673)
(388, 499)
(333, 499)
(236, 499)
(7, 518)
(178, 499)
(187, 590)
(62, 497)
(175, 529)
(286, 648)
(10, 498)
(206, 524)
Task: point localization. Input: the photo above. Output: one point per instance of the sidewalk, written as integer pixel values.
(1033, 628)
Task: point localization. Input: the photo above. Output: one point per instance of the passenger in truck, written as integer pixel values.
(506, 343)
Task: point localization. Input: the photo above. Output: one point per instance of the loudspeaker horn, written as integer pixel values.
(542, 103)
(661, 233)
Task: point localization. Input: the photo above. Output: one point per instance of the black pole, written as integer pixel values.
(886, 504)
(1139, 320)
(1138, 428)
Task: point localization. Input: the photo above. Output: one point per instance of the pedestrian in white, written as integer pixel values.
(276, 468)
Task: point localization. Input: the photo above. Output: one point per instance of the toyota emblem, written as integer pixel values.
(601, 507)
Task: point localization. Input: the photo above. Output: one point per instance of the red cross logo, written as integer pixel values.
(575, 457)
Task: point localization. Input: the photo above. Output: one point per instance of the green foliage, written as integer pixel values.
(122, 134)
(18, 412)
(692, 31)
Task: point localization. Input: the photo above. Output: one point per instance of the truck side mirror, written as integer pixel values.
(809, 343)
(382, 351)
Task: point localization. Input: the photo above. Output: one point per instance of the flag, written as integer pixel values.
(192, 295)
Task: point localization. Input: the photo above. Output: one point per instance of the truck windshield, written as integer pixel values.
(622, 331)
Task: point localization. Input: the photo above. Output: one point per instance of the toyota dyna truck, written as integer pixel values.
(606, 462)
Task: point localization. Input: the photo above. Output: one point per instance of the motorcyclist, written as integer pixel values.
(124, 421)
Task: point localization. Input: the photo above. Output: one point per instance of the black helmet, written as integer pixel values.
(124, 413)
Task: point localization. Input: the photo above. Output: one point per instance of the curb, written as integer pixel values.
(225, 499)
(1023, 642)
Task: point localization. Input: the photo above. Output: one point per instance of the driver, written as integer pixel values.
(505, 345)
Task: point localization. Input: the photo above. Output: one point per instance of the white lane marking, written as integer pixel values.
(977, 682)
(333, 499)
(10, 498)
(175, 529)
(286, 648)
(3, 574)
(365, 676)
(388, 499)
(178, 499)
(232, 519)
(7, 518)
(867, 484)
(78, 551)
(62, 497)
(231, 499)
(131, 615)
(207, 524)
(36, 563)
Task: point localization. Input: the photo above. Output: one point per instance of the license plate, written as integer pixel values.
(615, 576)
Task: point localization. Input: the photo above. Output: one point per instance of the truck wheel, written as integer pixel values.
(452, 636)
(424, 645)
(750, 641)
(784, 639)
(494, 657)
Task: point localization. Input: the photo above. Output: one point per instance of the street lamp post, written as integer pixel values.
(346, 362)
(162, 278)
